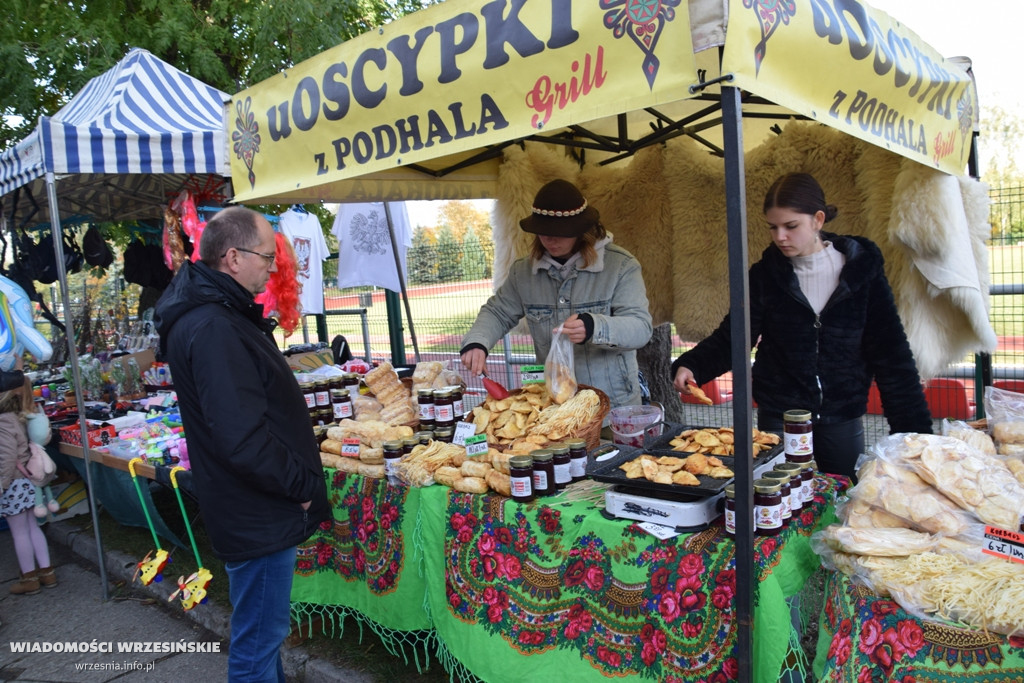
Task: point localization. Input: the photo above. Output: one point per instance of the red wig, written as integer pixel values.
(282, 294)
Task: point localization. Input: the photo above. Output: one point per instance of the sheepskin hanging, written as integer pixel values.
(666, 206)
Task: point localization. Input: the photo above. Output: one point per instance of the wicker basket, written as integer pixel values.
(591, 431)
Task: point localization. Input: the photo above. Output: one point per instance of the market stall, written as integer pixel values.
(120, 150)
(473, 88)
(478, 581)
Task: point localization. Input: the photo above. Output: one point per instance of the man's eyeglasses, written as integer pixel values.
(269, 258)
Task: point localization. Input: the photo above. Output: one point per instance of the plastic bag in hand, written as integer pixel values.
(559, 369)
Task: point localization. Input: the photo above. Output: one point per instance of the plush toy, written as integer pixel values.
(38, 428)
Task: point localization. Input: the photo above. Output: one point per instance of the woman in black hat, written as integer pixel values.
(576, 278)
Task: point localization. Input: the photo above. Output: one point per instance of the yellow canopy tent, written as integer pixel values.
(428, 106)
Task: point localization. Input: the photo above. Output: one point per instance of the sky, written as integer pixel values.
(984, 30)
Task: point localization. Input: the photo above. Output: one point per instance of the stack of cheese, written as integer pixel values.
(914, 526)
(431, 374)
(371, 435)
(397, 409)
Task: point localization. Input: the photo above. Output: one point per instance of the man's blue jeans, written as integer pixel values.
(260, 591)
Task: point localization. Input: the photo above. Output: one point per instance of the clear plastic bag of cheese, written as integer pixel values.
(914, 526)
(560, 368)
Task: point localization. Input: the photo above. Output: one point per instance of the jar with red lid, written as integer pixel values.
(767, 507)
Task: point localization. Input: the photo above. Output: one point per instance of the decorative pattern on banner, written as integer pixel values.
(865, 638)
(455, 77)
(364, 545)
(527, 581)
(854, 68)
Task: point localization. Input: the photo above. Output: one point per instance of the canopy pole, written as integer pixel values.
(401, 280)
(62, 275)
(739, 298)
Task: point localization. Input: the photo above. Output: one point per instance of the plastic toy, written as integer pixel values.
(148, 570)
(193, 589)
(17, 330)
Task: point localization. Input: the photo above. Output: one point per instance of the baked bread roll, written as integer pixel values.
(426, 371)
(371, 456)
(339, 462)
(447, 475)
(374, 471)
(470, 485)
(379, 376)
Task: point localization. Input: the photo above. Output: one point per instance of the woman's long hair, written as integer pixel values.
(799, 192)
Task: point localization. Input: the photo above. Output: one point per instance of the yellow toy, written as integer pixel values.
(149, 570)
(193, 589)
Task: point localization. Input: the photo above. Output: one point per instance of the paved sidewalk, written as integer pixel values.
(134, 617)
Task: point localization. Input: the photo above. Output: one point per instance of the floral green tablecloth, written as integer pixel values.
(552, 590)
(867, 639)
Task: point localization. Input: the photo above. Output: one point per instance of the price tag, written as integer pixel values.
(1008, 545)
(658, 530)
(532, 374)
(476, 445)
(463, 431)
(350, 447)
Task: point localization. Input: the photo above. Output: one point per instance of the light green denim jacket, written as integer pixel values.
(611, 290)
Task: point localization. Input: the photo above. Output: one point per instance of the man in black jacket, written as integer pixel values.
(255, 463)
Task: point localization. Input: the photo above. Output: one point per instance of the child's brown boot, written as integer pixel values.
(47, 577)
(28, 585)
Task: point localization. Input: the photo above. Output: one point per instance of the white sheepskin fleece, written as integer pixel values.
(667, 207)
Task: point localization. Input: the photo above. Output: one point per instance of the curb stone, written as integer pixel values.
(299, 665)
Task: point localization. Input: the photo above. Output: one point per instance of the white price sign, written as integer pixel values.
(532, 374)
(476, 445)
(1009, 545)
(350, 447)
(463, 431)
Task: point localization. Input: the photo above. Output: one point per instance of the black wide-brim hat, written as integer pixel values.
(560, 210)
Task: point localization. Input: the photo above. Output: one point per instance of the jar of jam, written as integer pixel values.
(323, 396)
(543, 472)
(796, 489)
(445, 434)
(520, 474)
(562, 465)
(444, 412)
(730, 510)
(807, 481)
(325, 415)
(334, 382)
(786, 490)
(457, 406)
(350, 381)
(393, 451)
(425, 437)
(767, 507)
(341, 404)
(409, 444)
(425, 399)
(308, 393)
(320, 432)
(798, 435)
(577, 458)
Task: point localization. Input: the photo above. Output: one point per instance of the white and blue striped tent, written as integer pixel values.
(121, 148)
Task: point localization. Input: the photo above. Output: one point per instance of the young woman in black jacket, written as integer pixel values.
(824, 322)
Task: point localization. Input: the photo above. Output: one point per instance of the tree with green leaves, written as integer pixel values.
(449, 256)
(474, 263)
(421, 259)
(50, 49)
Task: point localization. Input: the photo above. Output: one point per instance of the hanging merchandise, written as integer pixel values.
(173, 242)
(144, 265)
(307, 238)
(365, 256)
(47, 264)
(185, 206)
(95, 249)
(281, 297)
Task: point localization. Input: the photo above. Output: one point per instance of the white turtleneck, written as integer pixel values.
(818, 274)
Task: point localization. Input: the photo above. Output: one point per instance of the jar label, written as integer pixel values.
(563, 474)
(342, 410)
(807, 487)
(540, 480)
(323, 398)
(730, 521)
(578, 467)
(390, 466)
(787, 505)
(444, 413)
(426, 411)
(520, 486)
(457, 407)
(768, 516)
(310, 399)
(800, 444)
